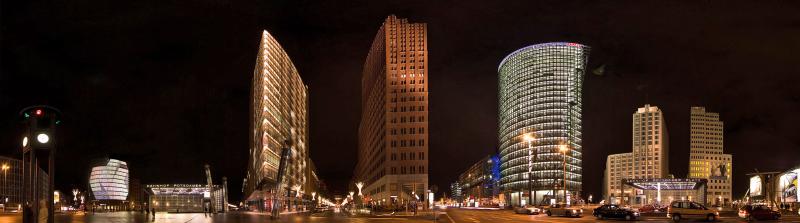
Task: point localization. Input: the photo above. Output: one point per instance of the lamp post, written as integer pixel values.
(359, 185)
(5, 182)
(531, 196)
(564, 149)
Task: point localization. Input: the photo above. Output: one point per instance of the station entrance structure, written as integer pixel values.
(663, 191)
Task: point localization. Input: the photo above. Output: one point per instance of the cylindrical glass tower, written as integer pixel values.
(540, 122)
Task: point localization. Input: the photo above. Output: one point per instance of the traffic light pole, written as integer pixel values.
(38, 141)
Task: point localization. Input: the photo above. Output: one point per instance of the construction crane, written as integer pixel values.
(210, 189)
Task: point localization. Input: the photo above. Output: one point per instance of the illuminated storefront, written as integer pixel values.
(540, 120)
(183, 197)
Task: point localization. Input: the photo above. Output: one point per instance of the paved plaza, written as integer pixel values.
(452, 215)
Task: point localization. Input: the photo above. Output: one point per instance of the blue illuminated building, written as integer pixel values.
(479, 184)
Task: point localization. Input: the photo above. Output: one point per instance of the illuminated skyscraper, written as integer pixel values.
(540, 96)
(650, 143)
(393, 132)
(706, 159)
(649, 158)
(278, 120)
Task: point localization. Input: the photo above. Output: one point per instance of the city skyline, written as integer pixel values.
(175, 95)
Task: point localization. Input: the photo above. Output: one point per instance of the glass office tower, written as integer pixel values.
(540, 122)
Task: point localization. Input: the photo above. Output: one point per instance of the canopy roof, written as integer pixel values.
(666, 183)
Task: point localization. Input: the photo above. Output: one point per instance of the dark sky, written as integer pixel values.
(165, 84)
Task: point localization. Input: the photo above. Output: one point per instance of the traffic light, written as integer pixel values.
(38, 155)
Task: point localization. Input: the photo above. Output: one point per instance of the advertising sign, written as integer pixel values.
(718, 171)
(788, 186)
(755, 186)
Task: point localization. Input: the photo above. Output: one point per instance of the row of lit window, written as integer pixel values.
(408, 109)
(407, 143)
(410, 131)
(408, 170)
(409, 156)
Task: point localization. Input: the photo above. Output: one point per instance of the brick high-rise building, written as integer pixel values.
(393, 132)
(706, 159)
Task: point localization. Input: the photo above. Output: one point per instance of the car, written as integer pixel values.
(562, 210)
(527, 210)
(615, 211)
(652, 209)
(758, 212)
(679, 210)
(647, 209)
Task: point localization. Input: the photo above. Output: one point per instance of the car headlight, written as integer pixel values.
(716, 213)
(574, 211)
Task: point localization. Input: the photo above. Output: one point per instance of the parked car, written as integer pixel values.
(758, 212)
(652, 209)
(562, 210)
(527, 210)
(615, 211)
(688, 209)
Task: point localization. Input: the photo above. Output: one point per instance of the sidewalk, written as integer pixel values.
(266, 213)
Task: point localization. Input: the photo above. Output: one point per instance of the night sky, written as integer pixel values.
(164, 85)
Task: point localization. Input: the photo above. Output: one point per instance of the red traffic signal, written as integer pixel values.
(38, 112)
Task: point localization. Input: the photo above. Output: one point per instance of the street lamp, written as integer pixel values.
(359, 185)
(531, 196)
(5, 179)
(564, 149)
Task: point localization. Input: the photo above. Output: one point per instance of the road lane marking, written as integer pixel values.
(448, 217)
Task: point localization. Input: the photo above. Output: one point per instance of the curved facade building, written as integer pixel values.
(540, 96)
(109, 181)
(278, 114)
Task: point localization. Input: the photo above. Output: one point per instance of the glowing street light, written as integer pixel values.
(564, 149)
(5, 179)
(359, 185)
(43, 138)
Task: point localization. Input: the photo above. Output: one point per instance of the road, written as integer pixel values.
(455, 215)
(452, 215)
(234, 217)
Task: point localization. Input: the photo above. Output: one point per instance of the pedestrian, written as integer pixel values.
(153, 211)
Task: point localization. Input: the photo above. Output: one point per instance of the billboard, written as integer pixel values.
(719, 170)
(788, 186)
(755, 186)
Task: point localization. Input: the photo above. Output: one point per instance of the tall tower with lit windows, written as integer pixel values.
(540, 121)
(393, 131)
(706, 158)
(278, 121)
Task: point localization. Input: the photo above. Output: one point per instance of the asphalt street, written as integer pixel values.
(451, 215)
(455, 215)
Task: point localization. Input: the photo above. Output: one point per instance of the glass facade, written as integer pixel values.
(540, 96)
(184, 197)
(109, 181)
(279, 114)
